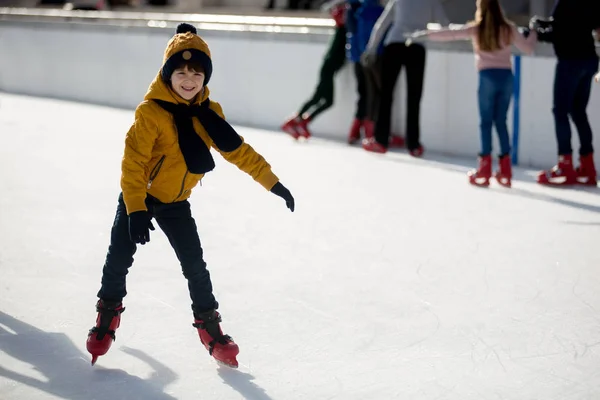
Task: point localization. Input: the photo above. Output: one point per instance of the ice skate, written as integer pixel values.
(397, 141)
(354, 134)
(373, 146)
(101, 337)
(562, 173)
(369, 128)
(290, 127)
(586, 172)
(481, 176)
(417, 152)
(302, 128)
(220, 346)
(504, 174)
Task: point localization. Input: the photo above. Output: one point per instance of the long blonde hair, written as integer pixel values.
(493, 29)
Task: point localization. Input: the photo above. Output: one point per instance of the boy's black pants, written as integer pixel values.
(175, 220)
(396, 55)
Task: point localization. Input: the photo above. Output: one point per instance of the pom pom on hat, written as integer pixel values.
(185, 28)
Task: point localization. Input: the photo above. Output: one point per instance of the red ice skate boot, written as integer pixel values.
(290, 127)
(417, 152)
(562, 173)
(369, 128)
(504, 174)
(354, 134)
(373, 146)
(397, 141)
(302, 128)
(586, 173)
(220, 346)
(481, 176)
(101, 337)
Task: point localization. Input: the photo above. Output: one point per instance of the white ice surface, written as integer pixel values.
(394, 278)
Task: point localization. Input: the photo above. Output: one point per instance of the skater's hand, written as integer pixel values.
(140, 225)
(597, 77)
(285, 194)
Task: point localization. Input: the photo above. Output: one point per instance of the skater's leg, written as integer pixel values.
(177, 223)
(580, 102)
(373, 85)
(504, 92)
(486, 98)
(415, 73)
(109, 306)
(119, 257)
(312, 102)
(392, 60)
(361, 89)
(333, 61)
(565, 85)
(326, 93)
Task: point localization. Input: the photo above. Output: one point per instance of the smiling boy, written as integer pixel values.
(167, 152)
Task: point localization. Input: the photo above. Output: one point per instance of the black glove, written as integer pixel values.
(140, 224)
(285, 194)
(543, 28)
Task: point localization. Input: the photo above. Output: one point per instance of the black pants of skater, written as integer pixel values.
(373, 86)
(368, 86)
(361, 89)
(572, 87)
(394, 57)
(175, 220)
(333, 61)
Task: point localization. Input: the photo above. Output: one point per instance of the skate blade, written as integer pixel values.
(480, 183)
(504, 182)
(228, 363)
(94, 359)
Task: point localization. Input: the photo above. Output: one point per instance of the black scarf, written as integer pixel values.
(195, 152)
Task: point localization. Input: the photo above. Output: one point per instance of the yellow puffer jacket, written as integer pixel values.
(153, 163)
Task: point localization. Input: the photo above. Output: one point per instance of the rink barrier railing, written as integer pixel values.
(265, 29)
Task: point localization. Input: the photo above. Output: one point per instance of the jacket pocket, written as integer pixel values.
(182, 186)
(155, 171)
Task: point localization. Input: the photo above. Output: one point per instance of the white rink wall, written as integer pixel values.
(261, 78)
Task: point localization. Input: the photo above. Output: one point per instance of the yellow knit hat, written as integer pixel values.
(186, 46)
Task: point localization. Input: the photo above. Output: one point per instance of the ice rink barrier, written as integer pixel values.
(265, 67)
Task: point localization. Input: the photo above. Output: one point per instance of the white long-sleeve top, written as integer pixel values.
(405, 16)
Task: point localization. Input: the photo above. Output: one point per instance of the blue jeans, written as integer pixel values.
(572, 86)
(495, 92)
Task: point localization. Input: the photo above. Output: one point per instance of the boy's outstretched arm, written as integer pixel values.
(242, 155)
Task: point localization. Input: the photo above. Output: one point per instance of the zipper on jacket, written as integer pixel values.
(182, 186)
(155, 171)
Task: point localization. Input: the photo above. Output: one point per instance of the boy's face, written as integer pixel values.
(187, 82)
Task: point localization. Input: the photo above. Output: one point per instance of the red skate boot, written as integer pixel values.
(290, 127)
(354, 135)
(504, 175)
(302, 127)
(418, 152)
(586, 173)
(562, 173)
(101, 336)
(220, 346)
(373, 146)
(481, 176)
(369, 127)
(397, 141)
